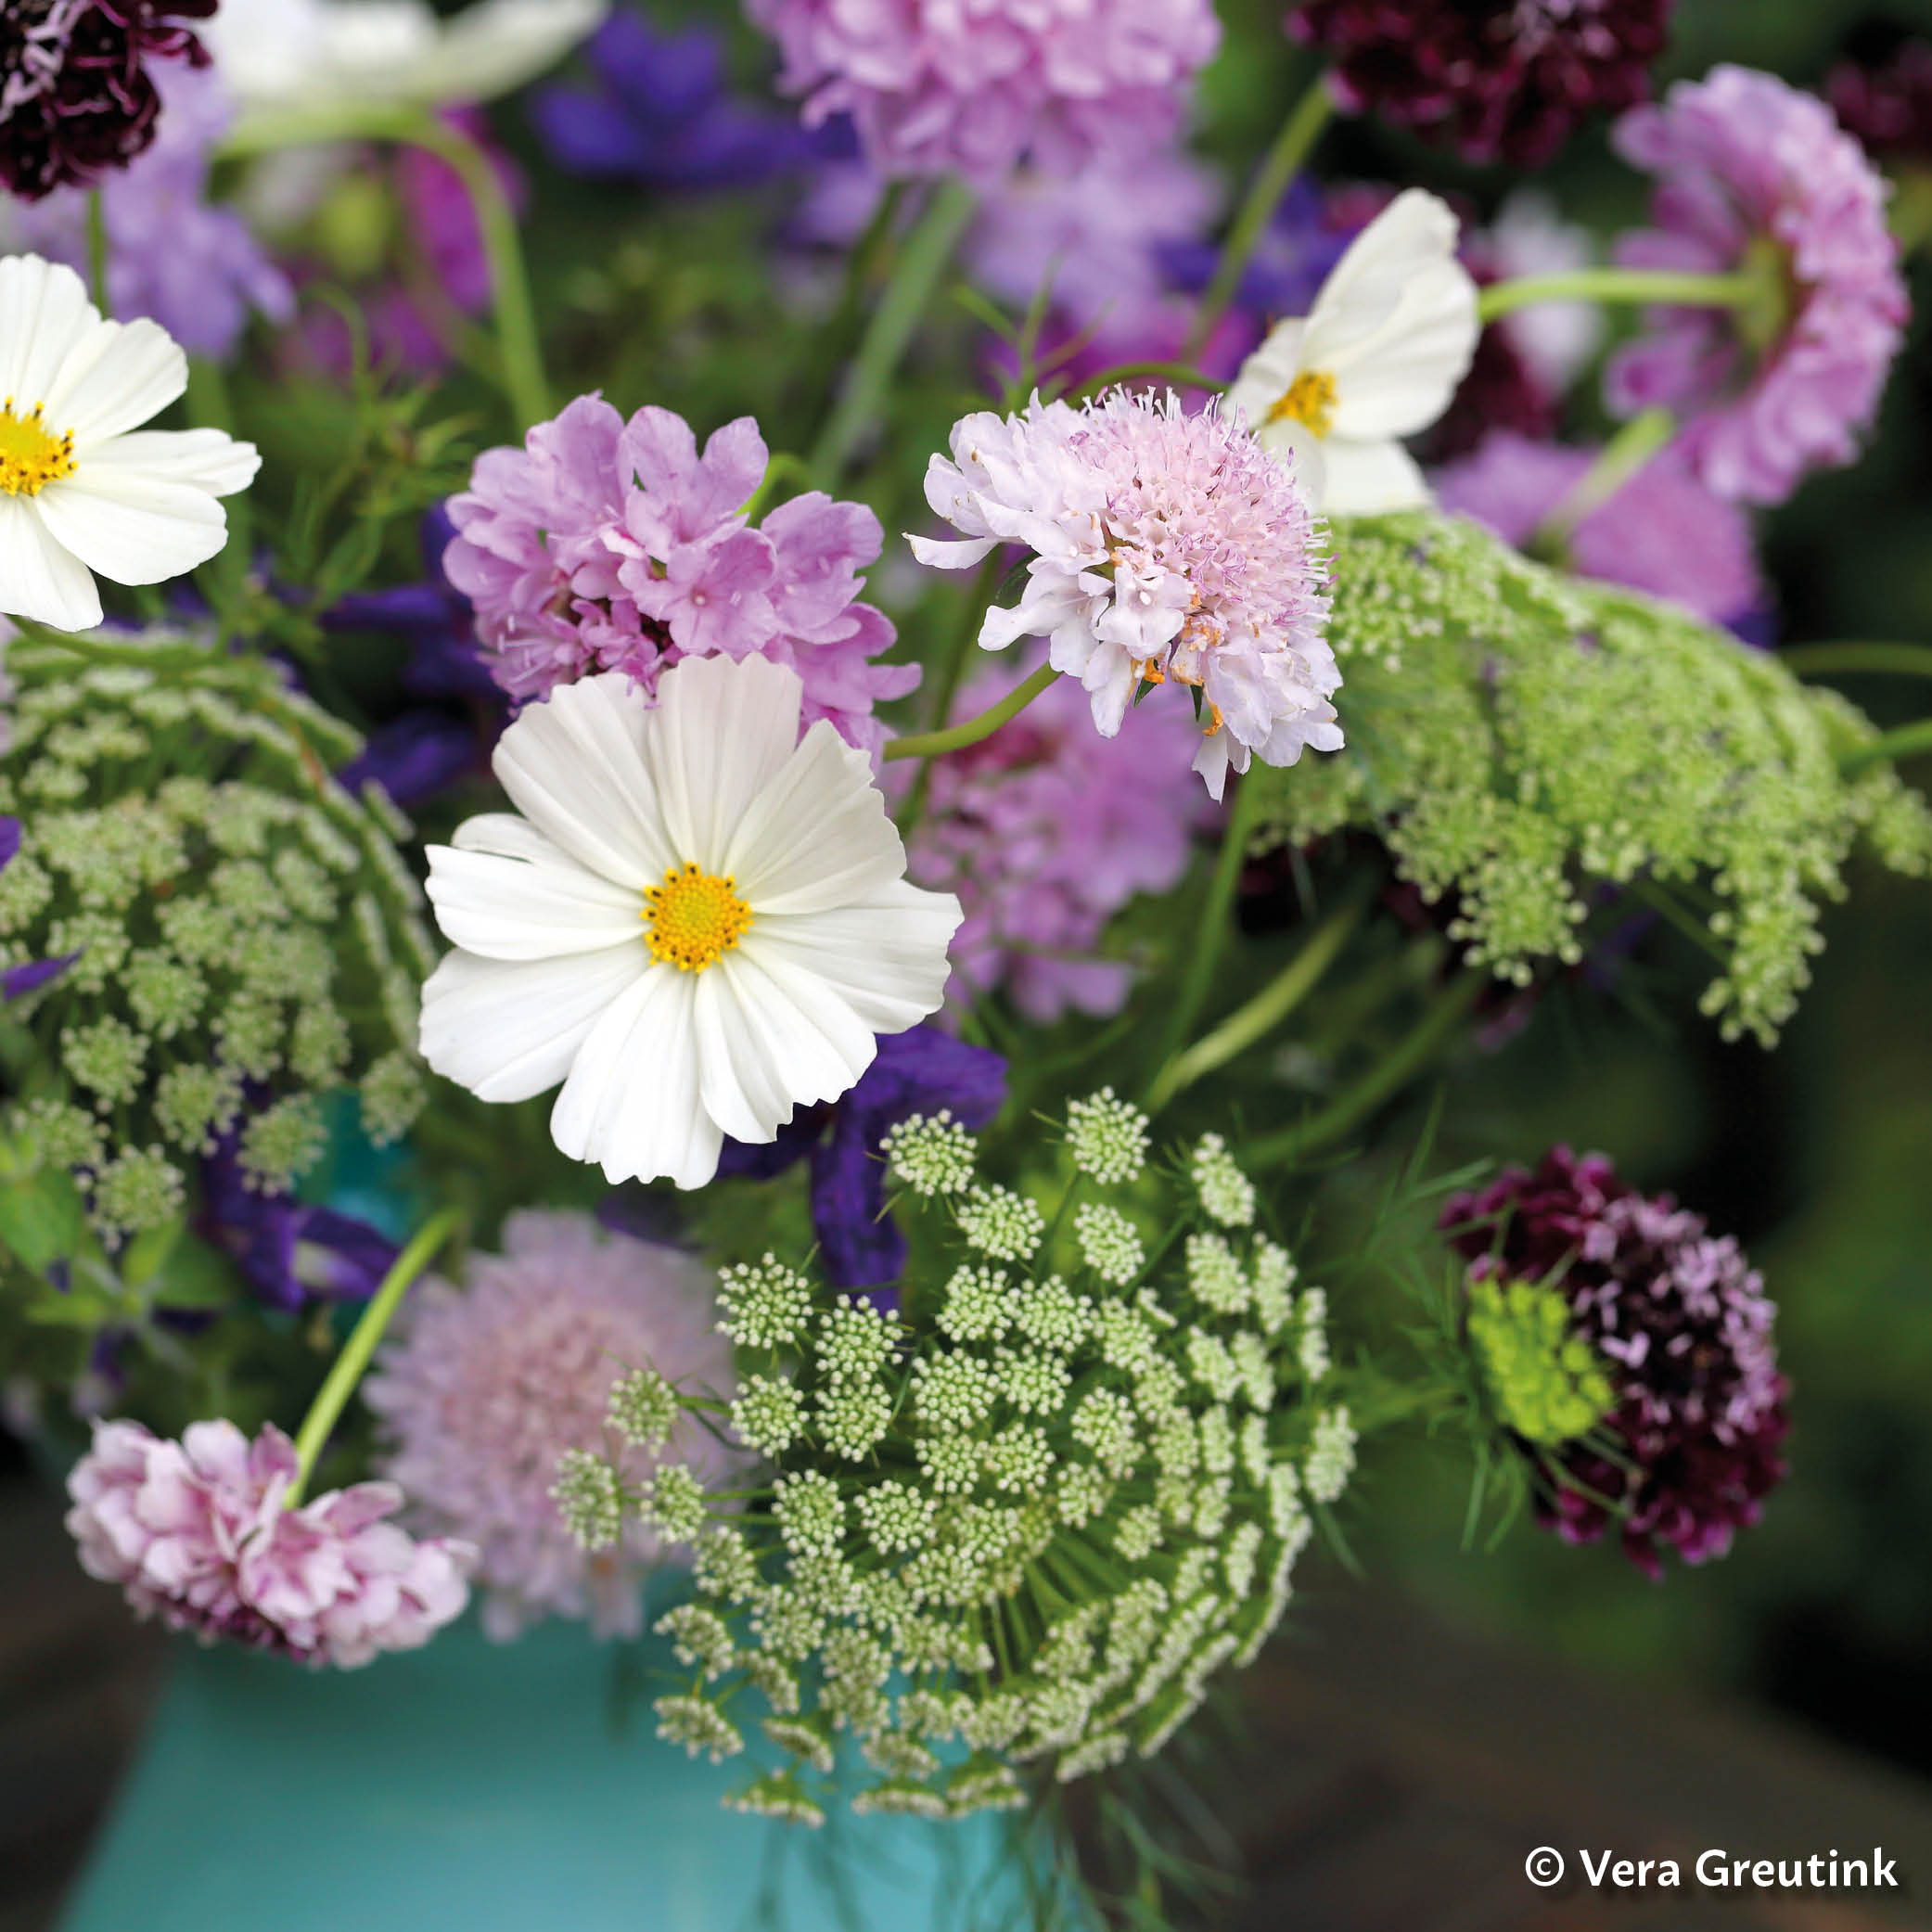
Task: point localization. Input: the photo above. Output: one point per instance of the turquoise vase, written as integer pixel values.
(475, 1787)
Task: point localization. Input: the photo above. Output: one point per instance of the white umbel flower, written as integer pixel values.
(699, 923)
(315, 56)
(1378, 358)
(83, 489)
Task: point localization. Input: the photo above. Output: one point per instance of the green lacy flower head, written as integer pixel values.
(1022, 1518)
(1521, 740)
(246, 936)
(1547, 1383)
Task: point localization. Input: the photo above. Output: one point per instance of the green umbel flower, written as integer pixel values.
(1519, 737)
(1546, 1381)
(249, 936)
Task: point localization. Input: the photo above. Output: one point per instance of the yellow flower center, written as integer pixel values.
(32, 457)
(1311, 399)
(695, 919)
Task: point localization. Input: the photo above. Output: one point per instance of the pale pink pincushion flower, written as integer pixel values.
(1758, 175)
(485, 1387)
(604, 544)
(936, 87)
(1168, 547)
(197, 1533)
(1045, 831)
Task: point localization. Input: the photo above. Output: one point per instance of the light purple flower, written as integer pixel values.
(195, 269)
(1045, 831)
(485, 1387)
(935, 87)
(197, 1533)
(1167, 547)
(1663, 532)
(606, 545)
(1757, 175)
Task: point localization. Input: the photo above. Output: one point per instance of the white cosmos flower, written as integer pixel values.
(699, 922)
(83, 488)
(1378, 358)
(318, 55)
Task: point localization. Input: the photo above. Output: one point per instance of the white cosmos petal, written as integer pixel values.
(114, 378)
(1267, 375)
(210, 459)
(131, 528)
(1367, 479)
(509, 1032)
(886, 959)
(44, 312)
(513, 838)
(816, 836)
(752, 1053)
(1415, 231)
(806, 1026)
(40, 578)
(723, 730)
(528, 908)
(631, 1102)
(1400, 380)
(574, 765)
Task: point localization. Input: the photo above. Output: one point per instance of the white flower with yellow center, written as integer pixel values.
(699, 923)
(83, 488)
(1376, 358)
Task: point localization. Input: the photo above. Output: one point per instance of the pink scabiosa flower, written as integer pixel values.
(1044, 832)
(1166, 547)
(197, 1533)
(1497, 80)
(76, 98)
(1682, 1327)
(485, 1387)
(607, 545)
(1662, 532)
(1757, 176)
(938, 88)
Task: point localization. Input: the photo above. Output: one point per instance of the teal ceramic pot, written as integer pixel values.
(473, 1788)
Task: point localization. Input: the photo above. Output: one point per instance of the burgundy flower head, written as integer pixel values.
(1888, 105)
(1685, 1329)
(1498, 80)
(76, 98)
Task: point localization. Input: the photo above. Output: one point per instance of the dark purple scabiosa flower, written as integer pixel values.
(657, 109)
(1497, 80)
(22, 977)
(1682, 1326)
(76, 98)
(1887, 105)
(920, 1072)
(287, 1249)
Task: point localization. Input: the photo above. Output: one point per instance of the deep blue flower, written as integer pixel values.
(16, 982)
(287, 1249)
(915, 1072)
(658, 110)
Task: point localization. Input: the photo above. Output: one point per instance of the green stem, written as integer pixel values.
(518, 341)
(936, 744)
(325, 1411)
(952, 663)
(784, 468)
(1621, 284)
(1354, 1104)
(1282, 161)
(100, 650)
(1266, 1011)
(1908, 741)
(97, 252)
(1831, 659)
(1212, 931)
(922, 261)
(1178, 374)
(1616, 463)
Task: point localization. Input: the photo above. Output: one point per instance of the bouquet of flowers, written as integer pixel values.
(880, 1037)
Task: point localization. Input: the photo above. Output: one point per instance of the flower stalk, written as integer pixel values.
(936, 744)
(1883, 660)
(97, 252)
(1622, 285)
(325, 1411)
(1912, 740)
(1279, 166)
(1632, 446)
